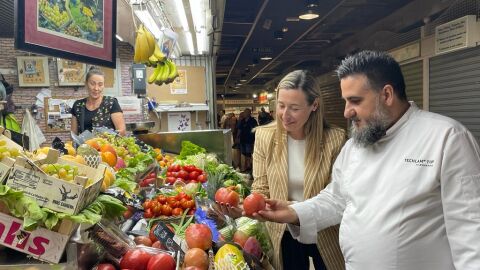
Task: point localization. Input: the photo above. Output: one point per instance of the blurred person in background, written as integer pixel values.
(264, 117)
(247, 138)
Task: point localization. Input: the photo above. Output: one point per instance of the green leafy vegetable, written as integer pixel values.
(189, 148)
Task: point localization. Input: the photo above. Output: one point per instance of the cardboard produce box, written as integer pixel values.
(54, 193)
(41, 243)
(6, 163)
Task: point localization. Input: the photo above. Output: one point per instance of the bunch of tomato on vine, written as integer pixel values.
(186, 174)
(164, 205)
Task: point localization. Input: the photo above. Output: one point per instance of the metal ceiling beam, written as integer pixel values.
(298, 39)
(257, 18)
(400, 19)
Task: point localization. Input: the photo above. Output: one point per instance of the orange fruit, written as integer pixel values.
(109, 158)
(108, 148)
(93, 143)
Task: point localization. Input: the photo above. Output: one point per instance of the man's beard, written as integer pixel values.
(375, 128)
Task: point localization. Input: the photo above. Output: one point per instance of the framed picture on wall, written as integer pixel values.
(81, 30)
(71, 73)
(33, 71)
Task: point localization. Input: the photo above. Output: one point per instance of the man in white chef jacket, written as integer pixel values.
(405, 188)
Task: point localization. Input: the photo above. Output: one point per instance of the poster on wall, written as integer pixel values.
(80, 30)
(71, 73)
(179, 85)
(33, 71)
(179, 121)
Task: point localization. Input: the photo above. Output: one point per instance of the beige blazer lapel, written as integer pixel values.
(281, 167)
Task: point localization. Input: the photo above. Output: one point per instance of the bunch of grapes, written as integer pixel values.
(65, 172)
(126, 147)
(7, 151)
(54, 15)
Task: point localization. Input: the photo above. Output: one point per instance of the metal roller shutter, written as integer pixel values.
(413, 75)
(455, 87)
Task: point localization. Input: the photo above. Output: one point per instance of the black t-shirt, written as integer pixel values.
(100, 117)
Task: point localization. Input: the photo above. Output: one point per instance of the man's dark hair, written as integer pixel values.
(379, 67)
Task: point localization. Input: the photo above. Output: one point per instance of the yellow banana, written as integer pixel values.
(173, 73)
(153, 59)
(158, 53)
(154, 75)
(164, 77)
(159, 78)
(150, 41)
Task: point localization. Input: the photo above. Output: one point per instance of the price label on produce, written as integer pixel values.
(168, 239)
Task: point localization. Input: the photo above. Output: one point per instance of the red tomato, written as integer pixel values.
(166, 210)
(197, 258)
(183, 174)
(151, 235)
(198, 236)
(202, 178)
(190, 204)
(191, 211)
(106, 266)
(148, 213)
(253, 203)
(161, 261)
(189, 168)
(143, 240)
(158, 245)
(157, 210)
(135, 259)
(227, 196)
(169, 174)
(147, 204)
(193, 175)
(177, 211)
(162, 199)
(175, 168)
(170, 180)
(175, 174)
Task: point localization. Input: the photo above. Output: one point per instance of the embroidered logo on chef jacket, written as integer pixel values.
(420, 162)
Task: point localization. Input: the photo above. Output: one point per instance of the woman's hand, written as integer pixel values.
(231, 211)
(277, 211)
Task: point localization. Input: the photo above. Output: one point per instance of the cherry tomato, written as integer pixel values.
(193, 175)
(166, 210)
(188, 204)
(148, 213)
(189, 168)
(202, 178)
(162, 199)
(183, 174)
(177, 211)
(170, 180)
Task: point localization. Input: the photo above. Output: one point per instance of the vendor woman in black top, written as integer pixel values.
(97, 110)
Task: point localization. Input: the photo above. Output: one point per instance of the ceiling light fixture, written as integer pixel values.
(309, 15)
(119, 37)
(266, 58)
(243, 80)
(182, 16)
(197, 8)
(188, 36)
(254, 95)
(146, 18)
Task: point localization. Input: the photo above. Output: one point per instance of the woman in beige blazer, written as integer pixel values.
(302, 139)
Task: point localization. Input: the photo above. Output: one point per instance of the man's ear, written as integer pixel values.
(388, 94)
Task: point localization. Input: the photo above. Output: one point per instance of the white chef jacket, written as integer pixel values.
(411, 201)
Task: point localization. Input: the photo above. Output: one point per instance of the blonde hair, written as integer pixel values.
(304, 81)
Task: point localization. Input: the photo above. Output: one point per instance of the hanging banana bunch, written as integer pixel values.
(147, 52)
(144, 45)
